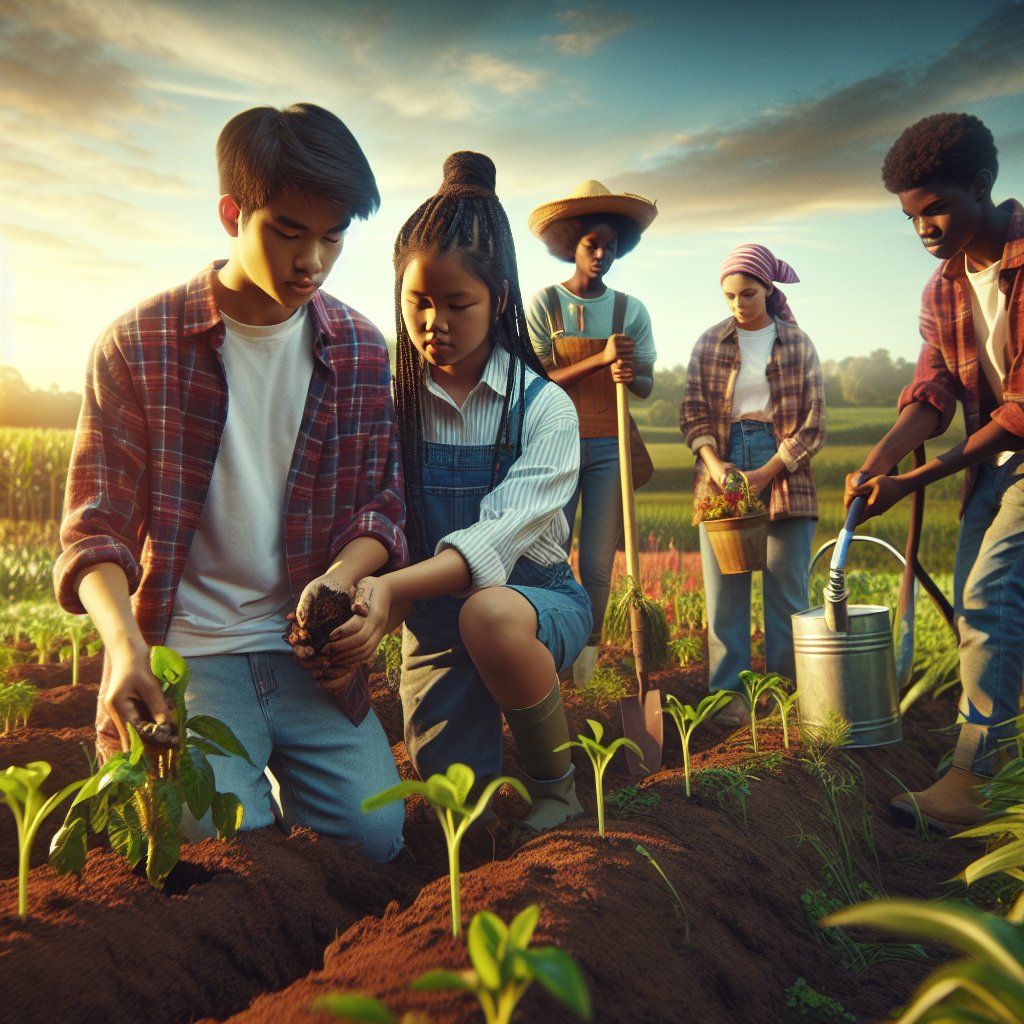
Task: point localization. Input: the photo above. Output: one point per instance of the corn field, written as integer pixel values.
(33, 470)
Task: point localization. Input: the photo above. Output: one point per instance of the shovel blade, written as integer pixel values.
(643, 723)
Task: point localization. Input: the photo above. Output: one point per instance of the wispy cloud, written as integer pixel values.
(824, 154)
(504, 76)
(588, 30)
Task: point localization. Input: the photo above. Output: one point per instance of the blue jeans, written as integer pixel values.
(988, 598)
(784, 581)
(601, 524)
(324, 765)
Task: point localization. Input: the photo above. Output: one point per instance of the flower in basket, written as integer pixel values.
(736, 501)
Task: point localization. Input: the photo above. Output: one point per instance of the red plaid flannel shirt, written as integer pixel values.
(798, 409)
(154, 409)
(947, 368)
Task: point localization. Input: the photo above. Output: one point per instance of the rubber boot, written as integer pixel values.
(584, 665)
(952, 804)
(549, 780)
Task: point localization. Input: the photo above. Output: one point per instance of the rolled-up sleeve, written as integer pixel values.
(522, 507)
(106, 501)
(538, 323)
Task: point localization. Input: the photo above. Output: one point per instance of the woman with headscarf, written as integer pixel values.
(755, 403)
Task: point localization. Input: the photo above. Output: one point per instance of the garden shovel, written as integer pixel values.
(642, 721)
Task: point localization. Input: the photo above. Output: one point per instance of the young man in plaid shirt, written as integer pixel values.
(235, 452)
(972, 322)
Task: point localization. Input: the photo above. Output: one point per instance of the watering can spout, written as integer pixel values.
(835, 611)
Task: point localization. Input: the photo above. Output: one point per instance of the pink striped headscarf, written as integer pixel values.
(757, 261)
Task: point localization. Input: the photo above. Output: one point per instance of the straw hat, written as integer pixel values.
(588, 198)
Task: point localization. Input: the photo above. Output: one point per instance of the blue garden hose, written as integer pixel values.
(836, 594)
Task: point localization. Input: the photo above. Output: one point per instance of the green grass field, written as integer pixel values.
(665, 505)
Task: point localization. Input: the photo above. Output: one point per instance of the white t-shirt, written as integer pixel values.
(234, 593)
(751, 396)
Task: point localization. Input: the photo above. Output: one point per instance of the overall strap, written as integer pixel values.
(554, 310)
(619, 312)
(519, 408)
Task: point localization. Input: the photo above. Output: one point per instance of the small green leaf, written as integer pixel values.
(444, 981)
(197, 782)
(125, 833)
(215, 730)
(138, 749)
(487, 933)
(442, 793)
(355, 1008)
(67, 848)
(388, 796)
(227, 813)
(597, 728)
(560, 975)
(168, 665)
(462, 777)
(521, 930)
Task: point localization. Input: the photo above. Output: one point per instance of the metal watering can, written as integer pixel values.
(845, 661)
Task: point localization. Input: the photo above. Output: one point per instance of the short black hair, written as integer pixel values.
(948, 148)
(302, 148)
(564, 235)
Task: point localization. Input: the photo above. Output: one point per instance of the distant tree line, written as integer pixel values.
(874, 379)
(871, 380)
(24, 406)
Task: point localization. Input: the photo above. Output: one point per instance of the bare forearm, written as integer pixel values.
(916, 423)
(444, 573)
(980, 446)
(103, 591)
(566, 375)
(360, 557)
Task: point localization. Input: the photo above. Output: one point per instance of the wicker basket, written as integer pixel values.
(740, 544)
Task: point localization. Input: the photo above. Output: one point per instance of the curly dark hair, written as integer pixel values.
(947, 148)
(563, 236)
(464, 219)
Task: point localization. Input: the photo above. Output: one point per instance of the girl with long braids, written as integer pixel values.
(490, 451)
(755, 402)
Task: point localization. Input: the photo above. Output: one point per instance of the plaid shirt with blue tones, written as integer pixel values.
(798, 409)
(947, 368)
(153, 413)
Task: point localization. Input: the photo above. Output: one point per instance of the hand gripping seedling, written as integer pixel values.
(137, 797)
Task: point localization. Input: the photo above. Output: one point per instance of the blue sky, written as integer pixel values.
(746, 122)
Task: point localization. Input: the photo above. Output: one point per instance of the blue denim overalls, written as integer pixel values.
(449, 714)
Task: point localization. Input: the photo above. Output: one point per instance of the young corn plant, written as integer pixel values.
(137, 797)
(16, 703)
(600, 757)
(22, 792)
(448, 795)
(785, 702)
(756, 685)
(503, 968)
(687, 718)
(77, 629)
(680, 909)
(688, 650)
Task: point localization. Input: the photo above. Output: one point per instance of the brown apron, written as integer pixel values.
(594, 395)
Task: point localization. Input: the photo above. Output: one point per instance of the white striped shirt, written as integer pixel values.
(523, 514)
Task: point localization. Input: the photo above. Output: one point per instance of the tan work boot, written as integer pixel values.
(554, 803)
(584, 665)
(952, 804)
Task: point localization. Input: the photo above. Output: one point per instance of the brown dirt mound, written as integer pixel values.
(274, 921)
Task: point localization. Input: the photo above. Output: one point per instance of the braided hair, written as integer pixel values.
(463, 219)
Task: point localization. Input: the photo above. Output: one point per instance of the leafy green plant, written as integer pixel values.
(687, 718)
(687, 650)
(21, 788)
(16, 703)
(814, 1006)
(630, 802)
(722, 783)
(137, 796)
(785, 702)
(389, 650)
(618, 623)
(755, 686)
(986, 986)
(448, 796)
(600, 757)
(504, 967)
(734, 501)
(606, 685)
(680, 909)
(78, 628)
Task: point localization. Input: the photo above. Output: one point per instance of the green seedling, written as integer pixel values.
(137, 797)
(600, 757)
(812, 1005)
(448, 795)
(504, 967)
(687, 718)
(16, 703)
(680, 909)
(630, 802)
(77, 628)
(688, 650)
(725, 782)
(606, 685)
(920, 825)
(986, 986)
(756, 685)
(389, 650)
(21, 788)
(785, 702)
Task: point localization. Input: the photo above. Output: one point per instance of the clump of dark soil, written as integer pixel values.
(255, 930)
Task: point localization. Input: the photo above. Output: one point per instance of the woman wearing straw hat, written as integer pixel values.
(589, 338)
(755, 402)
